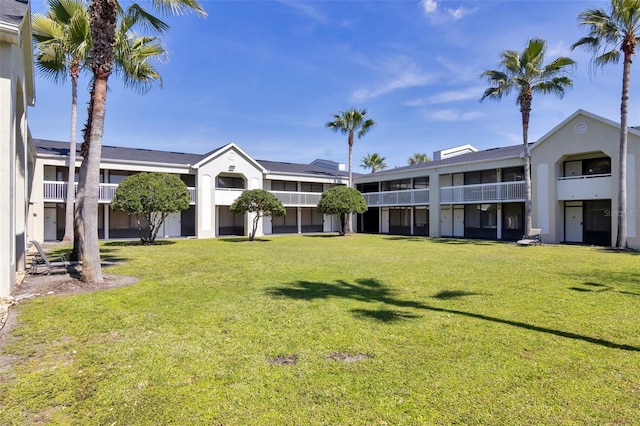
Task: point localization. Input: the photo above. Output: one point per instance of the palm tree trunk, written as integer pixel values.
(525, 110)
(69, 213)
(349, 227)
(103, 19)
(621, 239)
(91, 269)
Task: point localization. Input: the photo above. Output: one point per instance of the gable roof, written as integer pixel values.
(58, 148)
(587, 114)
(44, 147)
(219, 151)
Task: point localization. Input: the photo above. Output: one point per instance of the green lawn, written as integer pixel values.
(441, 332)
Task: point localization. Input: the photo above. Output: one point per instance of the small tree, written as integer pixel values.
(261, 203)
(342, 201)
(151, 197)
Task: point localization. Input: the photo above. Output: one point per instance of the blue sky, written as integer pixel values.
(268, 75)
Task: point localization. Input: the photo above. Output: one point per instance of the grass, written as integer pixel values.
(442, 332)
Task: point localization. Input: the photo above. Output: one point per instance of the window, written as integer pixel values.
(512, 221)
(189, 180)
(479, 177)
(596, 166)
(421, 221)
(284, 185)
(117, 177)
(287, 223)
(229, 182)
(311, 187)
(480, 221)
(368, 187)
(396, 185)
(513, 174)
(421, 183)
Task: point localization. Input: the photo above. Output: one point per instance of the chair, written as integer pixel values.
(534, 238)
(42, 260)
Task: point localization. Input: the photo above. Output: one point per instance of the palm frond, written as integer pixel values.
(178, 7)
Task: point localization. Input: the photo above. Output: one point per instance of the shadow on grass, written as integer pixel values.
(106, 255)
(610, 281)
(452, 294)
(372, 290)
(133, 243)
(613, 250)
(458, 241)
(600, 288)
(244, 240)
(383, 315)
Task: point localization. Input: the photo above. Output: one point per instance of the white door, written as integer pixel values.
(573, 224)
(458, 221)
(446, 222)
(50, 224)
(172, 225)
(384, 221)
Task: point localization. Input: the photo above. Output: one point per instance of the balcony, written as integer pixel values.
(56, 192)
(586, 187)
(226, 196)
(407, 197)
(483, 193)
(298, 199)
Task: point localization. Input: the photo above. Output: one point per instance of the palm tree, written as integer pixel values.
(418, 158)
(348, 123)
(611, 33)
(62, 48)
(374, 162)
(525, 73)
(103, 21)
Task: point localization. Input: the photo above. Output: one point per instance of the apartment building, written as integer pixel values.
(469, 193)
(214, 181)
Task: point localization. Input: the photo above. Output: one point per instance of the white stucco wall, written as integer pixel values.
(229, 161)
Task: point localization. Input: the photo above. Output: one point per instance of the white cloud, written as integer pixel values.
(429, 6)
(452, 115)
(460, 12)
(402, 73)
(450, 96)
(305, 9)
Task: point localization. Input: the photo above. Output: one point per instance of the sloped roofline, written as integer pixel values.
(218, 152)
(584, 113)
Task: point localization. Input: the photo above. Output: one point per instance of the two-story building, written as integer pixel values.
(214, 181)
(481, 194)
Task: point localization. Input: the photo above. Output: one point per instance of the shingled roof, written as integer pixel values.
(44, 146)
(307, 169)
(13, 11)
(471, 157)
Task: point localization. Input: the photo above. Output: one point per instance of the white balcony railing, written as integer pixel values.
(405, 197)
(483, 193)
(56, 192)
(297, 199)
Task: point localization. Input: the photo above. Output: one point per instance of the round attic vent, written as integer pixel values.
(580, 128)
